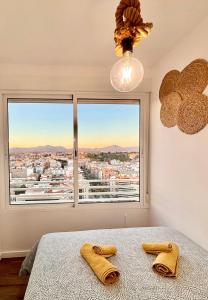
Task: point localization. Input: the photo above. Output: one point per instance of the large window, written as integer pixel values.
(82, 151)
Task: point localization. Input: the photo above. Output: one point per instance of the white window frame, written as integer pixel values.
(75, 97)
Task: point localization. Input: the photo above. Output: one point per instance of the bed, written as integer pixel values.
(60, 273)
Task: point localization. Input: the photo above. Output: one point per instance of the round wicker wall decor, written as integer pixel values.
(194, 78)
(169, 109)
(168, 84)
(193, 114)
(183, 103)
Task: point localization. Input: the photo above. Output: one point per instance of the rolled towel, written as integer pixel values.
(104, 270)
(166, 264)
(155, 248)
(105, 250)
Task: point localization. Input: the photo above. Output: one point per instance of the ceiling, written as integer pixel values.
(80, 32)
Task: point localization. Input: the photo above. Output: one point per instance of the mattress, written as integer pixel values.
(60, 273)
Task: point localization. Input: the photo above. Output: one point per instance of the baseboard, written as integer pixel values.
(10, 254)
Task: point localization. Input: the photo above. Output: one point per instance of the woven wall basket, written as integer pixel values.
(194, 78)
(183, 103)
(169, 109)
(168, 84)
(193, 114)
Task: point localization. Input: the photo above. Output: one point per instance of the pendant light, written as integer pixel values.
(127, 73)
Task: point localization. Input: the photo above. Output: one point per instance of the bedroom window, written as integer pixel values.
(108, 147)
(79, 150)
(40, 152)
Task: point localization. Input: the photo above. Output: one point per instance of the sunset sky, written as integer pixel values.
(99, 125)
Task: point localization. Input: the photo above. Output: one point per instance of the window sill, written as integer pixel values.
(18, 208)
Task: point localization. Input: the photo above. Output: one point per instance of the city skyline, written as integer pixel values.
(100, 125)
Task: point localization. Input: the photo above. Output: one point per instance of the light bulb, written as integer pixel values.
(127, 73)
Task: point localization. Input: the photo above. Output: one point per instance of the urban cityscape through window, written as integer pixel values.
(41, 162)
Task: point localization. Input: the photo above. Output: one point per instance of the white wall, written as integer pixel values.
(22, 228)
(19, 228)
(55, 78)
(179, 162)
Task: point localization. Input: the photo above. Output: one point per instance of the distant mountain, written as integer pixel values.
(113, 148)
(48, 148)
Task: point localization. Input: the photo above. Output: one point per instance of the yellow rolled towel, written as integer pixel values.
(166, 263)
(104, 270)
(155, 248)
(105, 250)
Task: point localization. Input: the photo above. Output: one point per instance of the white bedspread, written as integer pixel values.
(60, 273)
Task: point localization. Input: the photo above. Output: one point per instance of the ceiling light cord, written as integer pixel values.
(130, 28)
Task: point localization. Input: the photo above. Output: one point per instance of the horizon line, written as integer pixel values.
(58, 146)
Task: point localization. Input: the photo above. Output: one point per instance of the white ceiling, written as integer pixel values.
(80, 32)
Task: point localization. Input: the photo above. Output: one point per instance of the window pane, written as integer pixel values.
(108, 138)
(40, 152)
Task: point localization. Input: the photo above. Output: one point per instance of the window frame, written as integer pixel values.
(87, 97)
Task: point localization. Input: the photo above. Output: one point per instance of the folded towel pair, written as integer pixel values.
(166, 263)
(104, 270)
